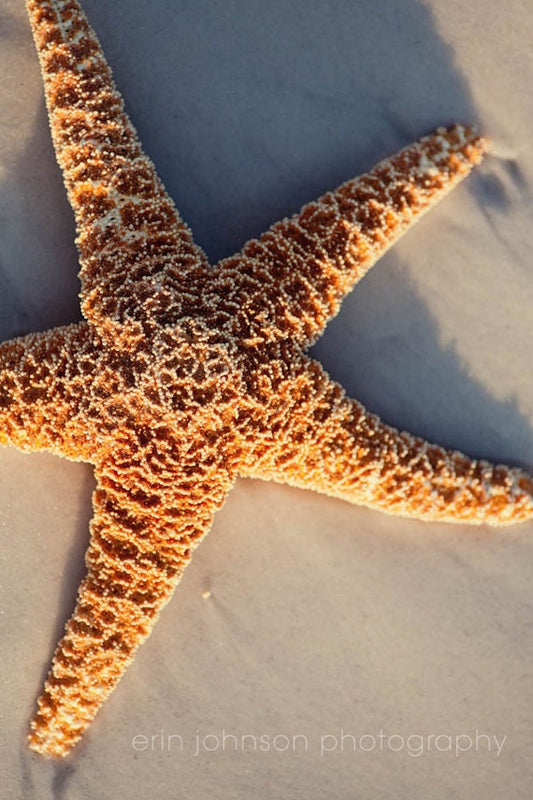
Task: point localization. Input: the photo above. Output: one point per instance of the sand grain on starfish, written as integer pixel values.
(184, 376)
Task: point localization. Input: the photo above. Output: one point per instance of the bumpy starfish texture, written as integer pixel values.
(184, 376)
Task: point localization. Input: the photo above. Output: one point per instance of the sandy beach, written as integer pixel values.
(313, 648)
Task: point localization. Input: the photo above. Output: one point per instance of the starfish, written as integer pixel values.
(184, 376)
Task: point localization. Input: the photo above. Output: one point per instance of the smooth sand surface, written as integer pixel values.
(324, 619)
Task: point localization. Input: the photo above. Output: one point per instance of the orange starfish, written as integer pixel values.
(184, 376)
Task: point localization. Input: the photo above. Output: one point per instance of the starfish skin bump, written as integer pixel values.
(184, 376)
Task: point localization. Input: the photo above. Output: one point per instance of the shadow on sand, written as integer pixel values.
(251, 109)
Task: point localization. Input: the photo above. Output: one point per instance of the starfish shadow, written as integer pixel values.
(278, 105)
(38, 258)
(386, 349)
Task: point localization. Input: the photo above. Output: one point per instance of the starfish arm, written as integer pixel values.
(128, 228)
(41, 392)
(292, 280)
(142, 538)
(327, 442)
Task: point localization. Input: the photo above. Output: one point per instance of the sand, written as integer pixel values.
(410, 639)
